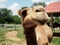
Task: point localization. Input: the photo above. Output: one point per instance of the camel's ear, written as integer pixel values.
(19, 12)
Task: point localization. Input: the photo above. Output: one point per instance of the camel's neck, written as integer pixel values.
(30, 36)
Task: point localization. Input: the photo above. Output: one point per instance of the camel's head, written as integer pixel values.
(36, 14)
(40, 15)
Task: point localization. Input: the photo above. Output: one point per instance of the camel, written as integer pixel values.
(36, 30)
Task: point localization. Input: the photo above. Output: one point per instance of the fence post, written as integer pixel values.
(14, 27)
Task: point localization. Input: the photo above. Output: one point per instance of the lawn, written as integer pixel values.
(20, 34)
(55, 41)
(4, 41)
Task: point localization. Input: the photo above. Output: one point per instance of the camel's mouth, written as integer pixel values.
(39, 21)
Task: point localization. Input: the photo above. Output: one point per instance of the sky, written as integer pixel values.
(14, 5)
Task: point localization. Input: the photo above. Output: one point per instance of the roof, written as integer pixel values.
(53, 7)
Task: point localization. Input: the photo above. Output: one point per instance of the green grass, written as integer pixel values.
(20, 34)
(56, 41)
(3, 40)
(2, 32)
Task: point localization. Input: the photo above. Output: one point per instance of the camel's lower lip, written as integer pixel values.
(38, 20)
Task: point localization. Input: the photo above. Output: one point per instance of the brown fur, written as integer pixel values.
(36, 30)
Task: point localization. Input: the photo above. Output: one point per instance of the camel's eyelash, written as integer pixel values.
(38, 10)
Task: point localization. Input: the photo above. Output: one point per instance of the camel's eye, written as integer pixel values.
(24, 13)
(38, 10)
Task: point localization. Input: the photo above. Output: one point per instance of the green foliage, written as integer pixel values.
(16, 19)
(57, 19)
(39, 3)
(6, 16)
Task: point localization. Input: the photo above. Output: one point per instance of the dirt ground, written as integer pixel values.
(12, 36)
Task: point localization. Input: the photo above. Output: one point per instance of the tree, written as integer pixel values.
(39, 3)
(57, 19)
(16, 19)
(5, 15)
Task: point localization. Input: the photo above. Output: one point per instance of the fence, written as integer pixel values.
(16, 27)
(11, 26)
